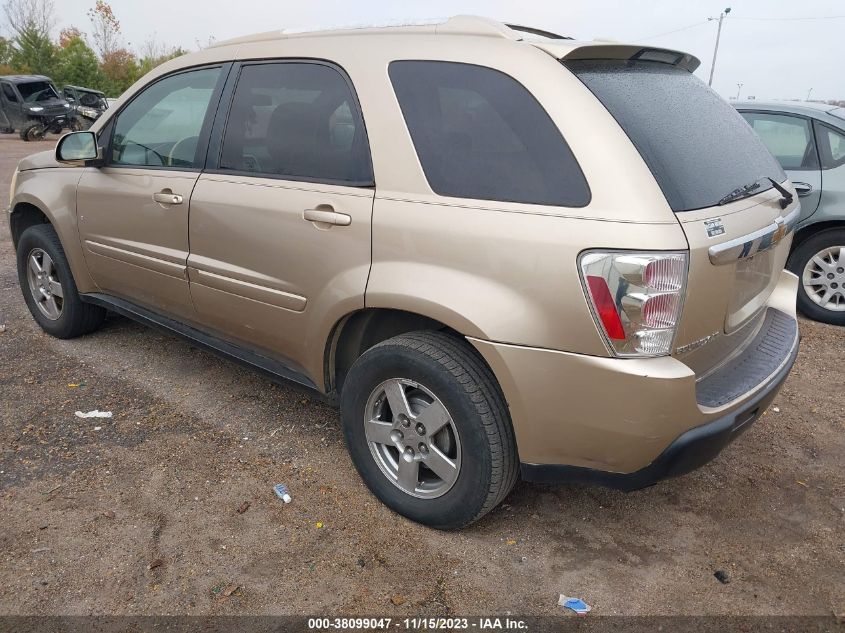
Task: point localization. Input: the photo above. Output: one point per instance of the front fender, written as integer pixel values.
(53, 192)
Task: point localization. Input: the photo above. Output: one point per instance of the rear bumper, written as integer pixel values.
(691, 450)
(630, 422)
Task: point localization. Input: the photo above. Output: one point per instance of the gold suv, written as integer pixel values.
(502, 252)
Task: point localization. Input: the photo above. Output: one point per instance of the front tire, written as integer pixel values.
(48, 286)
(819, 262)
(428, 429)
(32, 131)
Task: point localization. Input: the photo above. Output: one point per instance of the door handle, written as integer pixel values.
(167, 197)
(803, 188)
(327, 217)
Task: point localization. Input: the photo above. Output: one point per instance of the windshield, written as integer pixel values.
(37, 91)
(697, 146)
(838, 112)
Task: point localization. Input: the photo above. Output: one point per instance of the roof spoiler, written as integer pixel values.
(634, 52)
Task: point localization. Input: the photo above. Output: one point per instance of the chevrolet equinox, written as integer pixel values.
(500, 251)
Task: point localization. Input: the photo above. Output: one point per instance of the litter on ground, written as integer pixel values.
(96, 413)
(282, 492)
(574, 604)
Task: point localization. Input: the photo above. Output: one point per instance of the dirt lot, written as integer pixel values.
(85, 511)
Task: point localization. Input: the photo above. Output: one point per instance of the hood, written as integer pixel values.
(53, 103)
(41, 160)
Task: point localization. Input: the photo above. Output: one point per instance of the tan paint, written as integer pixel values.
(263, 274)
(503, 274)
(609, 414)
(53, 191)
(135, 247)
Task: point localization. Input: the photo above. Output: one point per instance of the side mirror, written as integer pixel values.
(77, 148)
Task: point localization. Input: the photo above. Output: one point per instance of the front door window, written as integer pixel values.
(161, 126)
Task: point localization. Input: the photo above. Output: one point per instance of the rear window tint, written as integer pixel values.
(480, 134)
(697, 146)
(296, 120)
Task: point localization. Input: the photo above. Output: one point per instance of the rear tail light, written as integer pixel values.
(636, 298)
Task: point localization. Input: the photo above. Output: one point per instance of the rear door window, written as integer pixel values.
(480, 134)
(789, 138)
(697, 146)
(298, 121)
(831, 146)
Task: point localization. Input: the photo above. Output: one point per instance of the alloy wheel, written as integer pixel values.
(44, 284)
(412, 438)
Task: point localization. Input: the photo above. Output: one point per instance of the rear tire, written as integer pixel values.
(446, 378)
(51, 295)
(825, 273)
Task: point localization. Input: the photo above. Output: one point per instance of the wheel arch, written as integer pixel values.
(23, 216)
(358, 331)
(806, 232)
(57, 207)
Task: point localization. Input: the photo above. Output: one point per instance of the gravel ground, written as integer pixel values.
(139, 514)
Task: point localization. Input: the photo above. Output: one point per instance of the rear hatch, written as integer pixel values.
(715, 174)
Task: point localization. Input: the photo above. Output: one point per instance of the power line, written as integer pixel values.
(820, 17)
(684, 28)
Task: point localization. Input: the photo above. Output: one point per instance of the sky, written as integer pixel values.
(779, 49)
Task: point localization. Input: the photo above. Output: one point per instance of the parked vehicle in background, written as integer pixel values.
(808, 139)
(31, 105)
(87, 105)
(524, 262)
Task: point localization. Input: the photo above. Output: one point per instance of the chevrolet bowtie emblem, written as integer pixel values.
(780, 231)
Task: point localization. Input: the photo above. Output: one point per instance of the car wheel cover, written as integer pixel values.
(823, 278)
(412, 438)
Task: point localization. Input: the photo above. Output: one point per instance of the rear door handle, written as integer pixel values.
(327, 217)
(803, 188)
(167, 197)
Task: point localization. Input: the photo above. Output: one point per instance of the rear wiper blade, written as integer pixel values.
(786, 198)
(740, 192)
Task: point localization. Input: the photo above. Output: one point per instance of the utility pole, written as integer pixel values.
(738, 89)
(718, 35)
(808, 94)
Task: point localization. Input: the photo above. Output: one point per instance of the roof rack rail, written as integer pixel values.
(458, 24)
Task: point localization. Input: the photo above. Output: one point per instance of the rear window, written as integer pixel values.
(480, 134)
(697, 146)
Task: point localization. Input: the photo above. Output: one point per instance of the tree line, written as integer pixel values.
(104, 62)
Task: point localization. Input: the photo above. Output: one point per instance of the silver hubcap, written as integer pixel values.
(412, 438)
(824, 278)
(44, 284)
